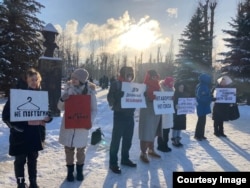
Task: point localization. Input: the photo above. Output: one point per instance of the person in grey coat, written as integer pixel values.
(76, 138)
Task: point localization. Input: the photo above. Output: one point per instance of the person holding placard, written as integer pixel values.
(149, 122)
(204, 100)
(179, 120)
(123, 122)
(75, 139)
(166, 119)
(221, 110)
(26, 137)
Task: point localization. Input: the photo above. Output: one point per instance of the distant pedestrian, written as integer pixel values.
(179, 119)
(204, 100)
(166, 119)
(75, 140)
(123, 122)
(149, 122)
(26, 137)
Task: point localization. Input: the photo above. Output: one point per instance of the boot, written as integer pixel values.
(21, 183)
(79, 175)
(161, 145)
(70, 176)
(33, 183)
(176, 142)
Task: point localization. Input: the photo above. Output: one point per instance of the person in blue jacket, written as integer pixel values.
(204, 98)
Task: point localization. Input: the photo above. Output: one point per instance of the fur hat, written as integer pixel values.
(80, 74)
(169, 81)
(125, 71)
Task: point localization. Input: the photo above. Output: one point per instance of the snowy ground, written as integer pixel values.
(214, 154)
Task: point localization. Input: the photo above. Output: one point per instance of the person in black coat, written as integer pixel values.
(179, 119)
(26, 137)
(123, 122)
(221, 110)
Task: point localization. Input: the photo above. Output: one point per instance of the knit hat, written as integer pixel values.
(227, 79)
(80, 74)
(169, 81)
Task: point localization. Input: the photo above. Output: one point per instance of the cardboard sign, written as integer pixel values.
(27, 105)
(225, 95)
(186, 106)
(78, 112)
(163, 102)
(133, 95)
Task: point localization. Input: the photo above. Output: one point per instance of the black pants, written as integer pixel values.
(218, 127)
(200, 127)
(123, 128)
(20, 160)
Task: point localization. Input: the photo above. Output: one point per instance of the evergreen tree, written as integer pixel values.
(195, 46)
(20, 39)
(237, 59)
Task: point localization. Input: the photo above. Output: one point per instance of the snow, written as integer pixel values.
(214, 154)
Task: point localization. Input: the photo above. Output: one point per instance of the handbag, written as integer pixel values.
(234, 112)
(96, 136)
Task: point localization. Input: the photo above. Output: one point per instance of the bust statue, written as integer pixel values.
(49, 33)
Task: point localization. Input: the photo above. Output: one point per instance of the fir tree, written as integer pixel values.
(20, 39)
(237, 59)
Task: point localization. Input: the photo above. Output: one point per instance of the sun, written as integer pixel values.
(138, 37)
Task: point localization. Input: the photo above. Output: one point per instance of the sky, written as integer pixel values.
(231, 154)
(131, 27)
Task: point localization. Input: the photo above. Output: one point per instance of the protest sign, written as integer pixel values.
(163, 102)
(133, 95)
(78, 112)
(27, 105)
(225, 95)
(186, 106)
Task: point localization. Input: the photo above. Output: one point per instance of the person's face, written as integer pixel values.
(129, 77)
(154, 77)
(33, 82)
(181, 88)
(75, 81)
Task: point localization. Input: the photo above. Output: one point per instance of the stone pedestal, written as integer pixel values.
(51, 72)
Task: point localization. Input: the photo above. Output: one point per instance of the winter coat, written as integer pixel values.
(221, 110)
(167, 119)
(203, 95)
(148, 121)
(29, 140)
(179, 120)
(114, 99)
(77, 137)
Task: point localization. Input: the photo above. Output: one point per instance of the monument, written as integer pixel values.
(51, 68)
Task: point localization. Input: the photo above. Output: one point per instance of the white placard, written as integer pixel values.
(133, 95)
(26, 105)
(225, 95)
(163, 102)
(186, 106)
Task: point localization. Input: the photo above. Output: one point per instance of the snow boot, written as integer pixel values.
(70, 176)
(79, 174)
(33, 183)
(21, 183)
(178, 142)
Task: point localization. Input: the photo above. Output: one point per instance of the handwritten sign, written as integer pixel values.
(78, 112)
(225, 95)
(27, 105)
(133, 95)
(163, 103)
(186, 106)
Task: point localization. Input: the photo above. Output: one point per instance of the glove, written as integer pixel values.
(213, 99)
(64, 97)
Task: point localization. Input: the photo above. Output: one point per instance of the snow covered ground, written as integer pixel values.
(231, 154)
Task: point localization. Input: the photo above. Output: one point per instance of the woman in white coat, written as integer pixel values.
(76, 138)
(166, 119)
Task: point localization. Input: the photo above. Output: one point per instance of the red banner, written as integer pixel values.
(78, 112)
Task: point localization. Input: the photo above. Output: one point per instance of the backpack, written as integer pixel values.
(96, 136)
